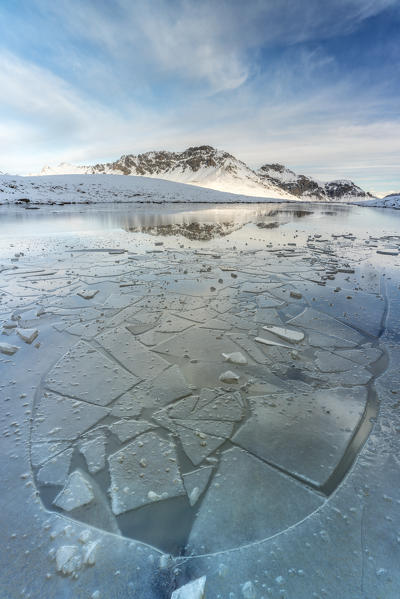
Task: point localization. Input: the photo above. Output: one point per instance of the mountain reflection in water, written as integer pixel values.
(193, 231)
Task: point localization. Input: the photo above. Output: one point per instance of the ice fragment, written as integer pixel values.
(191, 590)
(77, 492)
(8, 349)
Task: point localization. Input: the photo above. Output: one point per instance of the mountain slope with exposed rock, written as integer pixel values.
(307, 188)
(205, 166)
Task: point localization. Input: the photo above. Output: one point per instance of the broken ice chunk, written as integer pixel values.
(145, 470)
(42, 452)
(88, 293)
(197, 446)
(28, 335)
(313, 319)
(250, 287)
(77, 492)
(203, 344)
(387, 252)
(210, 406)
(269, 342)
(60, 418)
(181, 409)
(127, 429)
(229, 377)
(328, 361)
(227, 406)
(196, 482)
(89, 553)
(126, 406)
(55, 470)
(295, 295)
(94, 453)
(155, 496)
(235, 358)
(305, 434)
(275, 502)
(87, 374)
(249, 346)
(210, 427)
(68, 559)
(131, 354)
(162, 389)
(361, 356)
(8, 349)
(321, 340)
(286, 334)
(191, 590)
(173, 324)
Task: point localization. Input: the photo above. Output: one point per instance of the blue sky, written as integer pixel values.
(313, 84)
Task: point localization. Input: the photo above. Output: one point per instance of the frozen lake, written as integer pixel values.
(103, 218)
(204, 390)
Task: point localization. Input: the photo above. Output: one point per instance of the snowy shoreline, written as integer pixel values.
(121, 189)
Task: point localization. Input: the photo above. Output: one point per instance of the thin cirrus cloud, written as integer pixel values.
(310, 84)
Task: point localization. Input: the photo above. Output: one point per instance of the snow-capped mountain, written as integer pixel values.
(307, 188)
(203, 166)
(207, 167)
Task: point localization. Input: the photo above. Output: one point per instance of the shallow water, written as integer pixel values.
(48, 220)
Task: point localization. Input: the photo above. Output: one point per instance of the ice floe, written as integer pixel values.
(143, 471)
(77, 492)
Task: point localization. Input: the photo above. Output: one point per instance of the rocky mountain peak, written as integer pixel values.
(271, 168)
(207, 166)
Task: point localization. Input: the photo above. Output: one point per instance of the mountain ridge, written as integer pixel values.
(211, 168)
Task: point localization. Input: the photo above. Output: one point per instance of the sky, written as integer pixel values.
(312, 84)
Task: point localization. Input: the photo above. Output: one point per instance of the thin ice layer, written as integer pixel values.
(247, 501)
(305, 435)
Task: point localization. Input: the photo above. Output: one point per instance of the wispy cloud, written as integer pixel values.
(87, 80)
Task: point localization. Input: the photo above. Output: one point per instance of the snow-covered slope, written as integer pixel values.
(207, 167)
(79, 189)
(203, 166)
(390, 201)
